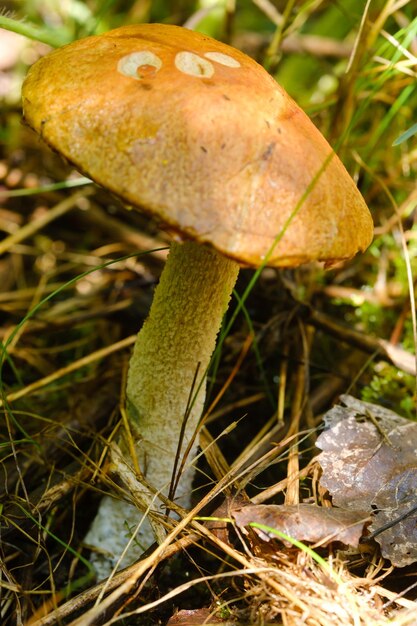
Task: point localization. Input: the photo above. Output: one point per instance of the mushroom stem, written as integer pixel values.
(171, 357)
(166, 381)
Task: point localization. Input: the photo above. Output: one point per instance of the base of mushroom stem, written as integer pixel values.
(122, 531)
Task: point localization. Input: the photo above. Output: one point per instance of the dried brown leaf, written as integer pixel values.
(304, 522)
(194, 617)
(369, 460)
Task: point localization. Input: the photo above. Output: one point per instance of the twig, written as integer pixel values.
(63, 371)
(52, 214)
(402, 359)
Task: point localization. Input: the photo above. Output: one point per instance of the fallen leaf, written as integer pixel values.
(194, 617)
(369, 461)
(304, 522)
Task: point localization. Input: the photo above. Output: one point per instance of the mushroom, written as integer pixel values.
(198, 135)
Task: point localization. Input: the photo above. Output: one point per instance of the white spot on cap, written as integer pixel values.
(223, 59)
(139, 65)
(194, 65)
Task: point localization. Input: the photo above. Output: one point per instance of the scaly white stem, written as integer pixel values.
(167, 369)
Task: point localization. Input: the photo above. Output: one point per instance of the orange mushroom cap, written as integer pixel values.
(197, 134)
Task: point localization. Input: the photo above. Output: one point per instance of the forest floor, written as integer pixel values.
(77, 274)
